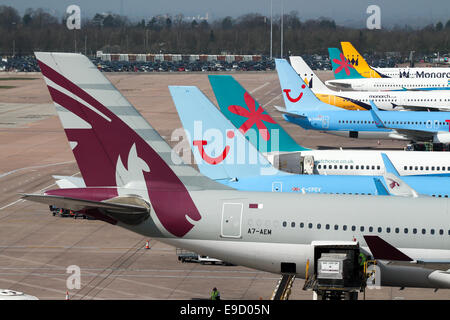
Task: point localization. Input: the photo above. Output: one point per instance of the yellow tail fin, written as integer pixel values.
(358, 61)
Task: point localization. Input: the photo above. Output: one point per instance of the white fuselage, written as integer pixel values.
(395, 100)
(285, 228)
(366, 162)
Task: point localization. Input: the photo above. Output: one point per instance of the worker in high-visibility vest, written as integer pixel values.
(215, 294)
(362, 259)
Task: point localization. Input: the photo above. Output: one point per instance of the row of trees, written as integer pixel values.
(247, 34)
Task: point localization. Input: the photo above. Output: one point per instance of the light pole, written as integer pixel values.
(271, 27)
(14, 39)
(282, 10)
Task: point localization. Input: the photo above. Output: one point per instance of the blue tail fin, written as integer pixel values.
(297, 96)
(342, 68)
(220, 150)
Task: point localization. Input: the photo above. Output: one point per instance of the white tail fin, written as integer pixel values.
(310, 78)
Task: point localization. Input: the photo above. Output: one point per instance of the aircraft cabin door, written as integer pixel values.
(231, 220)
(436, 124)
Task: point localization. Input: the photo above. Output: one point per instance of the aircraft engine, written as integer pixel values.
(442, 137)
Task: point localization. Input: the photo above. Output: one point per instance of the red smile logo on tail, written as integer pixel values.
(212, 160)
(293, 100)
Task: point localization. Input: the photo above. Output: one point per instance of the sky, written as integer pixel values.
(416, 13)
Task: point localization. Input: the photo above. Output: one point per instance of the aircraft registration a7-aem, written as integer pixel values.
(133, 181)
(304, 109)
(360, 100)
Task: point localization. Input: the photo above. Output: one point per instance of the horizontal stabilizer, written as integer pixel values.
(133, 212)
(67, 182)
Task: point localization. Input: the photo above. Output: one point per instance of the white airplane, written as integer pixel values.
(388, 84)
(360, 100)
(367, 71)
(134, 181)
(347, 77)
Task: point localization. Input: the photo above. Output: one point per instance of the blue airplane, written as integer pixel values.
(222, 153)
(305, 109)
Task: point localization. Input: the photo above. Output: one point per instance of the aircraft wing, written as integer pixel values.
(382, 250)
(291, 114)
(418, 108)
(130, 210)
(415, 134)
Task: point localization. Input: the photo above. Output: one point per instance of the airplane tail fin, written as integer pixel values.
(342, 68)
(308, 75)
(239, 107)
(112, 143)
(220, 150)
(115, 148)
(298, 97)
(358, 61)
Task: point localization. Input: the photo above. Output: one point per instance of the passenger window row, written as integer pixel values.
(407, 85)
(426, 168)
(395, 100)
(346, 167)
(427, 123)
(337, 227)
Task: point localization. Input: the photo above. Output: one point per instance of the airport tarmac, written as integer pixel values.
(36, 248)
